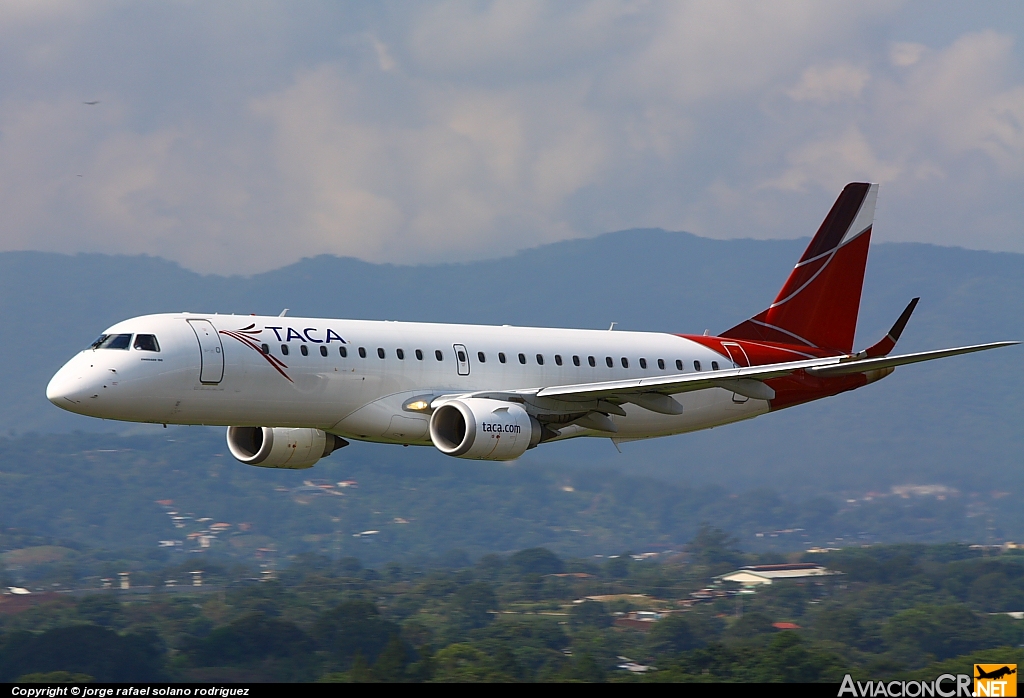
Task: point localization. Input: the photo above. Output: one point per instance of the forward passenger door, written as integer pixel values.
(211, 352)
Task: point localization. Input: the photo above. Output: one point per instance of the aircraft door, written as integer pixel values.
(211, 352)
(462, 359)
(739, 359)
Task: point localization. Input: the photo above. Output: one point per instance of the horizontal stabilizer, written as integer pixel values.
(848, 367)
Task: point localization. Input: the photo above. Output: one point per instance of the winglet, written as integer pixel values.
(888, 342)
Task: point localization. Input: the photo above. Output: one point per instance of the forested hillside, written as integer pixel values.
(125, 495)
(888, 612)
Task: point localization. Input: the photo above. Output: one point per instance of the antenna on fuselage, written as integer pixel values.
(283, 312)
(612, 326)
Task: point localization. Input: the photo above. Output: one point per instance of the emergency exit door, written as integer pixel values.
(211, 352)
(739, 360)
(462, 359)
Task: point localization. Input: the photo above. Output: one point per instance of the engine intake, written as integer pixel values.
(281, 447)
(482, 429)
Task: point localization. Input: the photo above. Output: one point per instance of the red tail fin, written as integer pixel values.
(819, 303)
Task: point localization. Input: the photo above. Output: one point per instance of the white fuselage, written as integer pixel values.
(224, 378)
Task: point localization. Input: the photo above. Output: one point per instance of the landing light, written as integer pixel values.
(418, 406)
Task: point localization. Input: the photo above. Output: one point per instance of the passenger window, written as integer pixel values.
(501, 357)
(696, 365)
(380, 353)
(462, 356)
(323, 350)
(625, 362)
(146, 342)
(419, 355)
(609, 362)
(679, 365)
(558, 359)
(343, 351)
(284, 350)
(575, 360)
(591, 361)
(438, 355)
(540, 359)
(480, 357)
(112, 341)
(362, 352)
(661, 364)
(643, 363)
(265, 348)
(714, 365)
(304, 349)
(522, 358)
(400, 353)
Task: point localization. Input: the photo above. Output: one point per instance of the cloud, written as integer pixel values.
(904, 54)
(463, 130)
(832, 162)
(834, 83)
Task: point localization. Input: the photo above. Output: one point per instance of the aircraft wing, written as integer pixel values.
(748, 380)
(742, 377)
(843, 369)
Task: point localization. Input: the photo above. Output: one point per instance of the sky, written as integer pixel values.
(237, 137)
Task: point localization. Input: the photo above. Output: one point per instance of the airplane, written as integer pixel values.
(291, 390)
(995, 674)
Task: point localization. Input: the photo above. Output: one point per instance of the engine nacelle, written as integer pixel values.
(281, 447)
(483, 429)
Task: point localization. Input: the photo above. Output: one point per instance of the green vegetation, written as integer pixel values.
(895, 611)
(443, 570)
(88, 493)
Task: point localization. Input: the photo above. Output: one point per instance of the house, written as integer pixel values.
(754, 575)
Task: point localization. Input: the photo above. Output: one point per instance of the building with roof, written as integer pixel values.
(755, 575)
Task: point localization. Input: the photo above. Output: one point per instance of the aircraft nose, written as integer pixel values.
(67, 388)
(59, 389)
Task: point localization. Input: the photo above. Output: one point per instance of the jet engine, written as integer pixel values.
(281, 447)
(482, 429)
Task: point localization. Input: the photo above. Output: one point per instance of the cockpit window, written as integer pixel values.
(112, 341)
(146, 342)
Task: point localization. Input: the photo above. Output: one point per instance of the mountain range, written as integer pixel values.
(955, 422)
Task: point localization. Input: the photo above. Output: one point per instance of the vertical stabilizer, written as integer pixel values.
(818, 305)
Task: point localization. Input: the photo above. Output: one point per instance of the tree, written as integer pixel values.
(787, 659)
(712, 546)
(100, 609)
(749, 625)
(617, 567)
(280, 648)
(472, 605)
(83, 649)
(941, 631)
(672, 635)
(589, 614)
(585, 668)
(391, 663)
(844, 625)
(351, 628)
(536, 561)
(462, 663)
